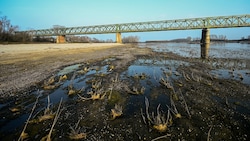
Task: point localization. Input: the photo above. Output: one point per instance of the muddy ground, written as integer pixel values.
(23, 66)
(211, 108)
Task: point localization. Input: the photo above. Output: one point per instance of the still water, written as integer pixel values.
(216, 50)
(236, 56)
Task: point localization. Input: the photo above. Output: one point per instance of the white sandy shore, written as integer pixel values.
(29, 48)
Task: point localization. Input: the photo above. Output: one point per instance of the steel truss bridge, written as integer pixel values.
(178, 24)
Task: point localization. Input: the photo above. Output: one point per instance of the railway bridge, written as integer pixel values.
(204, 23)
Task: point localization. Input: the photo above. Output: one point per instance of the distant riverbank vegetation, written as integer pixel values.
(131, 39)
(7, 32)
(86, 39)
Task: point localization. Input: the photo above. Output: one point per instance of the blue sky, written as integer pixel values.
(42, 14)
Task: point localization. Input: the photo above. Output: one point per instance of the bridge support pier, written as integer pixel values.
(205, 50)
(60, 39)
(205, 43)
(118, 37)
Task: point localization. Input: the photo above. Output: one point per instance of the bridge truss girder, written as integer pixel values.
(179, 24)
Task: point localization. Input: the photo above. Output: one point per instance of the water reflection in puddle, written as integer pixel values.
(14, 124)
(225, 50)
(154, 70)
(222, 68)
(56, 94)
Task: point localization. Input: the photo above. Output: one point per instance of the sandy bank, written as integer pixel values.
(25, 65)
(31, 48)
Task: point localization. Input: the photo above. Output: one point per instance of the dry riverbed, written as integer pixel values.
(120, 92)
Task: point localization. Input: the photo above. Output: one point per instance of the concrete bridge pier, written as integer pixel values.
(60, 39)
(205, 43)
(118, 37)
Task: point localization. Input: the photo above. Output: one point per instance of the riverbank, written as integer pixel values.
(24, 65)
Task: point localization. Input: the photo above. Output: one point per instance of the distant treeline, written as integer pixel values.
(7, 31)
(86, 39)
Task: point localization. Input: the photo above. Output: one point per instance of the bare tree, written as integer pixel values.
(109, 41)
(130, 39)
(213, 37)
(7, 30)
(83, 39)
(189, 38)
(222, 37)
